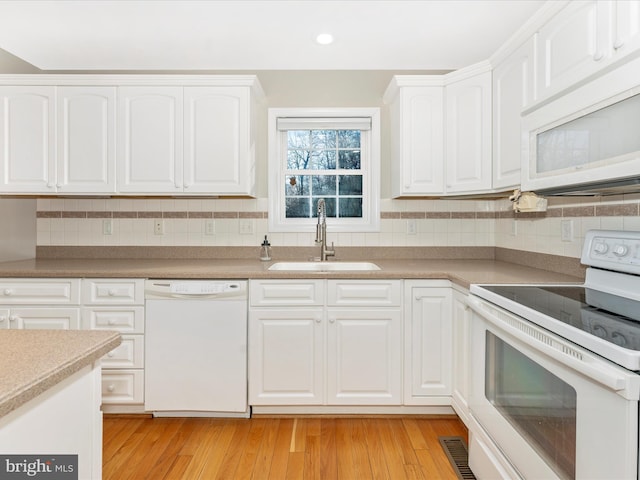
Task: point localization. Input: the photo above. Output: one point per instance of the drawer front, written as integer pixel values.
(288, 292)
(119, 319)
(113, 291)
(40, 291)
(129, 354)
(55, 318)
(122, 386)
(384, 293)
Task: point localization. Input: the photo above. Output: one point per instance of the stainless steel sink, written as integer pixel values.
(324, 266)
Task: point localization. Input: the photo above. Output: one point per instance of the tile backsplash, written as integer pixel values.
(243, 222)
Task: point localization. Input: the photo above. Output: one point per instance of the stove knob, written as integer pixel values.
(620, 250)
(601, 248)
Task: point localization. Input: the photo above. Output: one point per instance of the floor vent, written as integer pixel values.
(456, 450)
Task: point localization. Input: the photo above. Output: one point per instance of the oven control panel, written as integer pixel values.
(612, 250)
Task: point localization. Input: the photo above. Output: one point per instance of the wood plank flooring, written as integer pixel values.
(264, 448)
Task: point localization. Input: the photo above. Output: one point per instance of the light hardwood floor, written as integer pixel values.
(262, 448)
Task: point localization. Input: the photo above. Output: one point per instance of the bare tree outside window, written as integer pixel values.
(323, 164)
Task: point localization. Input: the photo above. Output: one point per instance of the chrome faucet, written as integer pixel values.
(321, 232)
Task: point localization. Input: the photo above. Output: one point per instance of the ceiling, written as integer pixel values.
(85, 35)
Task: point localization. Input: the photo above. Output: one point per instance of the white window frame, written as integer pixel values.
(370, 170)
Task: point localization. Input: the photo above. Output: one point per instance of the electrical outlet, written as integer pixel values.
(158, 226)
(412, 227)
(209, 227)
(246, 226)
(566, 230)
(107, 226)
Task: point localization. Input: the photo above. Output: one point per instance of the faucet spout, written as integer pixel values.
(321, 232)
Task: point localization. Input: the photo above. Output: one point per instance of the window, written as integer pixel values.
(330, 154)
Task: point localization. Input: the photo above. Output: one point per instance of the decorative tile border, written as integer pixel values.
(146, 214)
(616, 210)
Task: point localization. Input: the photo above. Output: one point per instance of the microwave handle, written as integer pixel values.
(599, 372)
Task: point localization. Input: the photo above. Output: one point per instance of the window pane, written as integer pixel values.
(297, 207)
(297, 185)
(330, 204)
(350, 185)
(324, 185)
(298, 159)
(323, 139)
(350, 159)
(351, 207)
(323, 160)
(349, 138)
(298, 139)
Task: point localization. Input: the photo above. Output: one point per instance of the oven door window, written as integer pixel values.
(538, 404)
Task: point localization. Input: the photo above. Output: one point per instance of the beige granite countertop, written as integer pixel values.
(36, 360)
(460, 271)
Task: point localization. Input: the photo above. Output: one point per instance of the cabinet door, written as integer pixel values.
(216, 132)
(461, 357)
(364, 357)
(570, 47)
(149, 144)
(626, 35)
(27, 139)
(468, 134)
(286, 356)
(45, 318)
(417, 141)
(512, 92)
(86, 139)
(428, 343)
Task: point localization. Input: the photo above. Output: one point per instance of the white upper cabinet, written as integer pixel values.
(440, 129)
(150, 139)
(86, 139)
(128, 134)
(186, 140)
(218, 140)
(417, 135)
(468, 132)
(626, 26)
(583, 39)
(512, 92)
(27, 139)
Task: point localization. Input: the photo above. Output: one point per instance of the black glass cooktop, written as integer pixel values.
(610, 317)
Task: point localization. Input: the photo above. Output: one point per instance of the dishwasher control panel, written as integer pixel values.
(195, 288)
(202, 288)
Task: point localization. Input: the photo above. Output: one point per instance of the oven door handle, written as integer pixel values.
(536, 337)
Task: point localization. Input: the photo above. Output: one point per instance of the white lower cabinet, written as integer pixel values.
(34, 303)
(428, 342)
(461, 323)
(118, 304)
(330, 342)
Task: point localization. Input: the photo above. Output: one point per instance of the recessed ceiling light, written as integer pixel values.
(324, 39)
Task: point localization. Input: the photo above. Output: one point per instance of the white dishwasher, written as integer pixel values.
(196, 348)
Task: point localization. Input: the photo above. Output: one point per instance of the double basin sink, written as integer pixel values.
(324, 266)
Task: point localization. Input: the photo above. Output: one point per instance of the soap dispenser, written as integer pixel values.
(265, 250)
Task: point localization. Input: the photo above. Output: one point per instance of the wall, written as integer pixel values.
(18, 232)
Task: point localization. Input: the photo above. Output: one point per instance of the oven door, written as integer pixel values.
(554, 410)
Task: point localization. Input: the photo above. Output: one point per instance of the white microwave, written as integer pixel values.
(586, 142)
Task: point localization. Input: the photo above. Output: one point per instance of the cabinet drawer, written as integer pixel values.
(129, 354)
(122, 386)
(27, 291)
(113, 291)
(120, 319)
(275, 292)
(384, 293)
